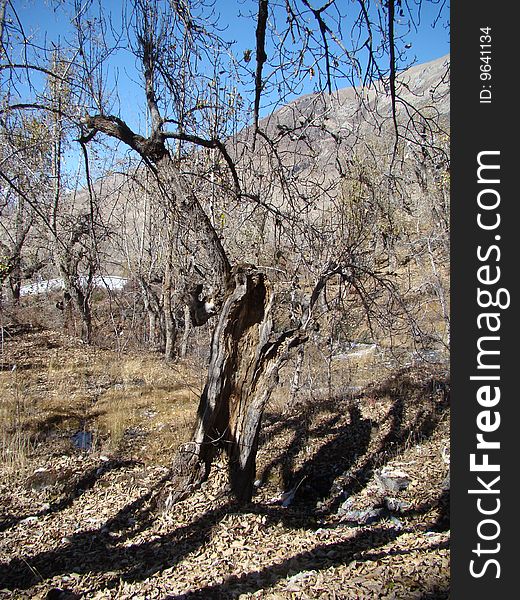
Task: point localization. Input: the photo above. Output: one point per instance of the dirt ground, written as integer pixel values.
(352, 495)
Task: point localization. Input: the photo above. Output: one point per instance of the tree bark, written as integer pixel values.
(153, 309)
(170, 326)
(186, 334)
(245, 359)
(295, 383)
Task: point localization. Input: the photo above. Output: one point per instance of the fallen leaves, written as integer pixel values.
(85, 522)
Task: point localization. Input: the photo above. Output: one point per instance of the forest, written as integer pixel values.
(224, 302)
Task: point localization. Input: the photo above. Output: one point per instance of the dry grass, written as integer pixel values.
(15, 442)
(136, 404)
(53, 386)
(68, 513)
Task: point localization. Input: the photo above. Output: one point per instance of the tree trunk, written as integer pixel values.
(295, 383)
(82, 303)
(153, 309)
(80, 296)
(244, 363)
(186, 334)
(152, 326)
(15, 281)
(245, 354)
(170, 326)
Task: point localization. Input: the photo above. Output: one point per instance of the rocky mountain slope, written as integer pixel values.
(316, 125)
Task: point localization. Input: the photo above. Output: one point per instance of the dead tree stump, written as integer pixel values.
(245, 358)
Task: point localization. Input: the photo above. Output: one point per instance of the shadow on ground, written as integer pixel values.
(417, 407)
(101, 550)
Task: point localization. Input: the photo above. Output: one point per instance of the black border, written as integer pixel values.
(477, 127)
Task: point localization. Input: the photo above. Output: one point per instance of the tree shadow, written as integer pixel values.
(20, 329)
(76, 489)
(436, 594)
(96, 551)
(109, 546)
(101, 549)
(10, 366)
(321, 557)
(334, 458)
(59, 422)
(302, 431)
(328, 473)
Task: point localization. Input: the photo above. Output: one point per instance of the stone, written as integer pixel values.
(392, 480)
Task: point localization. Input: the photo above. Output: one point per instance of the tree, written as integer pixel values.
(189, 116)
(27, 163)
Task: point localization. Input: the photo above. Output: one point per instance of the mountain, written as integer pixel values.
(308, 146)
(317, 132)
(423, 87)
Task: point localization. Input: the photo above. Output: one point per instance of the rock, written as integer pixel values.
(360, 517)
(396, 505)
(298, 581)
(395, 522)
(374, 513)
(371, 515)
(392, 480)
(48, 481)
(29, 520)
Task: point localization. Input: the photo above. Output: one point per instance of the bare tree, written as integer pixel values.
(271, 171)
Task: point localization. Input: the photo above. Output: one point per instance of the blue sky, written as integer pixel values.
(40, 19)
(430, 41)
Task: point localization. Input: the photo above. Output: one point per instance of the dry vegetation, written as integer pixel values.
(91, 524)
(313, 242)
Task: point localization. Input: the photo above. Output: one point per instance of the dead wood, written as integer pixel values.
(245, 359)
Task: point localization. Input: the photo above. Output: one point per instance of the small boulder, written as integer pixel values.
(395, 505)
(392, 480)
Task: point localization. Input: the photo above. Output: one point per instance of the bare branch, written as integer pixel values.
(214, 144)
(261, 56)
(149, 148)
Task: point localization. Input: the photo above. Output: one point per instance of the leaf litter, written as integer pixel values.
(78, 523)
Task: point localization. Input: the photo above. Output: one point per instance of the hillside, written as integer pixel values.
(367, 111)
(319, 133)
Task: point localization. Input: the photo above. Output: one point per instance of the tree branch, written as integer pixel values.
(214, 144)
(149, 148)
(261, 56)
(147, 39)
(33, 106)
(324, 29)
(391, 43)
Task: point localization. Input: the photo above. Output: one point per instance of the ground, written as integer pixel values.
(352, 496)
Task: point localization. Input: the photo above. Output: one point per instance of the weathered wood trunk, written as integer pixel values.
(243, 370)
(153, 310)
(295, 383)
(186, 333)
(81, 302)
(78, 297)
(170, 326)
